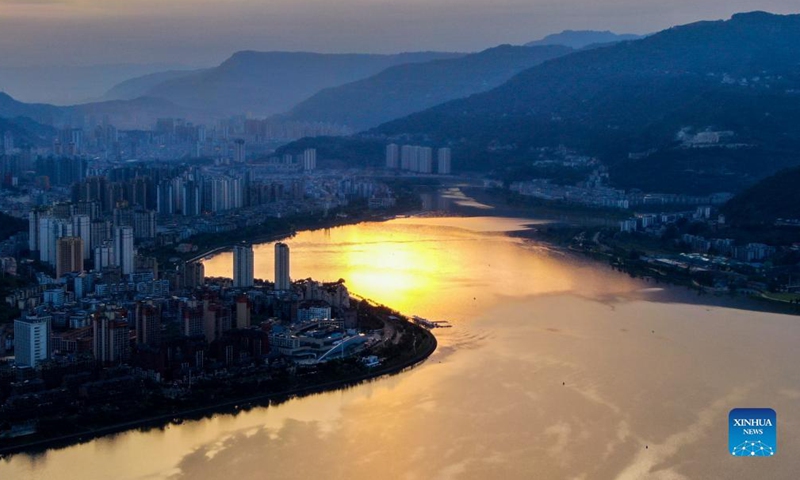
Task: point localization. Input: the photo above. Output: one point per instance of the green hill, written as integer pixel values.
(762, 204)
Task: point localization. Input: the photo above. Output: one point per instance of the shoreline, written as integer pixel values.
(558, 216)
(275, 398)
(225, 408)
(563, 216)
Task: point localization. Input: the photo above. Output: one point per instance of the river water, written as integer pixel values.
(557, 367)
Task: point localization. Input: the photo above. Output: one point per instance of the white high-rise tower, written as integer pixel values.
(31, 340)
(123, 249)
(445, 166)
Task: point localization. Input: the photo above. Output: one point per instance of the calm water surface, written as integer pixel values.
(556, 368)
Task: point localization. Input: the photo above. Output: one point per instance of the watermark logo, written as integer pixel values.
(752, 432)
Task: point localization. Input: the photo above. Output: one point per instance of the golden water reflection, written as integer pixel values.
(556, 368)
(431, 266)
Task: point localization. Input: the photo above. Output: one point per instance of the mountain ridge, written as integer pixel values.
(578, 39)
(615, 100)
(404, 89)
(268, 83)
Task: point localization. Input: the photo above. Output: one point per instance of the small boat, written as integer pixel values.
(424, 322)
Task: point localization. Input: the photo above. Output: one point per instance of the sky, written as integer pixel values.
(205, 32)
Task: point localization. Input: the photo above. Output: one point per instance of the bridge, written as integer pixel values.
(340, 349)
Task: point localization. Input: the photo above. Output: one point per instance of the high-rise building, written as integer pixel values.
(142, 221)
(310, 159)
(91, 209)
(409, 158)
(33, 230)
(194, 274)
(8, 142)
(148, 325)
(50, 230)
(82, 227)
(444, 157)
(425, 159)
(242, 312)
(104, 256)
(191, 199)
(239, 152)
(100, 233)
(392, 156)
(221, 193)
(31, 340)
(192, 313)
(69, 255)
(123, 249)
(165, 198)
(216, 321)
(243, 266)
(282, 280)
(111, 339)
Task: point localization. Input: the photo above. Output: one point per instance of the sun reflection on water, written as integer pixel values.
(424, 266)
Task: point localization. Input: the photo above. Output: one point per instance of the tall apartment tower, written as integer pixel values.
(50, 230)
(242, 312)
(194, 274)
(123, 249)
(31, 340)
(239, 151)
(82, 227)
(282, 281)
(104, 256)
(392, 156)
(33, 230)
(110, 340)
(69, 255)
(148, 325)
(407, 152)
(192, 319)
(310, 159)
(444, 157)
(425, 160)
(243, 266)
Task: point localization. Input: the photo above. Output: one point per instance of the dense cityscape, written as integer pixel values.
(111, 293)
(399, 240)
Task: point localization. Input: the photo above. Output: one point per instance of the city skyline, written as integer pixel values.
(151, 32)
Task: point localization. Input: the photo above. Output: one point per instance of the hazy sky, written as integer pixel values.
(198, 32)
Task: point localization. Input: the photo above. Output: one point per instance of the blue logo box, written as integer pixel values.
(752, 432)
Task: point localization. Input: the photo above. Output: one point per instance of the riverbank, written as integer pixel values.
(422, 342)
(580, 230)
(269, 229)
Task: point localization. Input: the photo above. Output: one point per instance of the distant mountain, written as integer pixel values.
(26, 131)
(139, 86)
(139, 113)
(40, 112)
(770, 199)
(69, 84)
(248, 82)
(629, 104)
(578, 39)
(405, 89)
(266, 83)
(124, 114)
